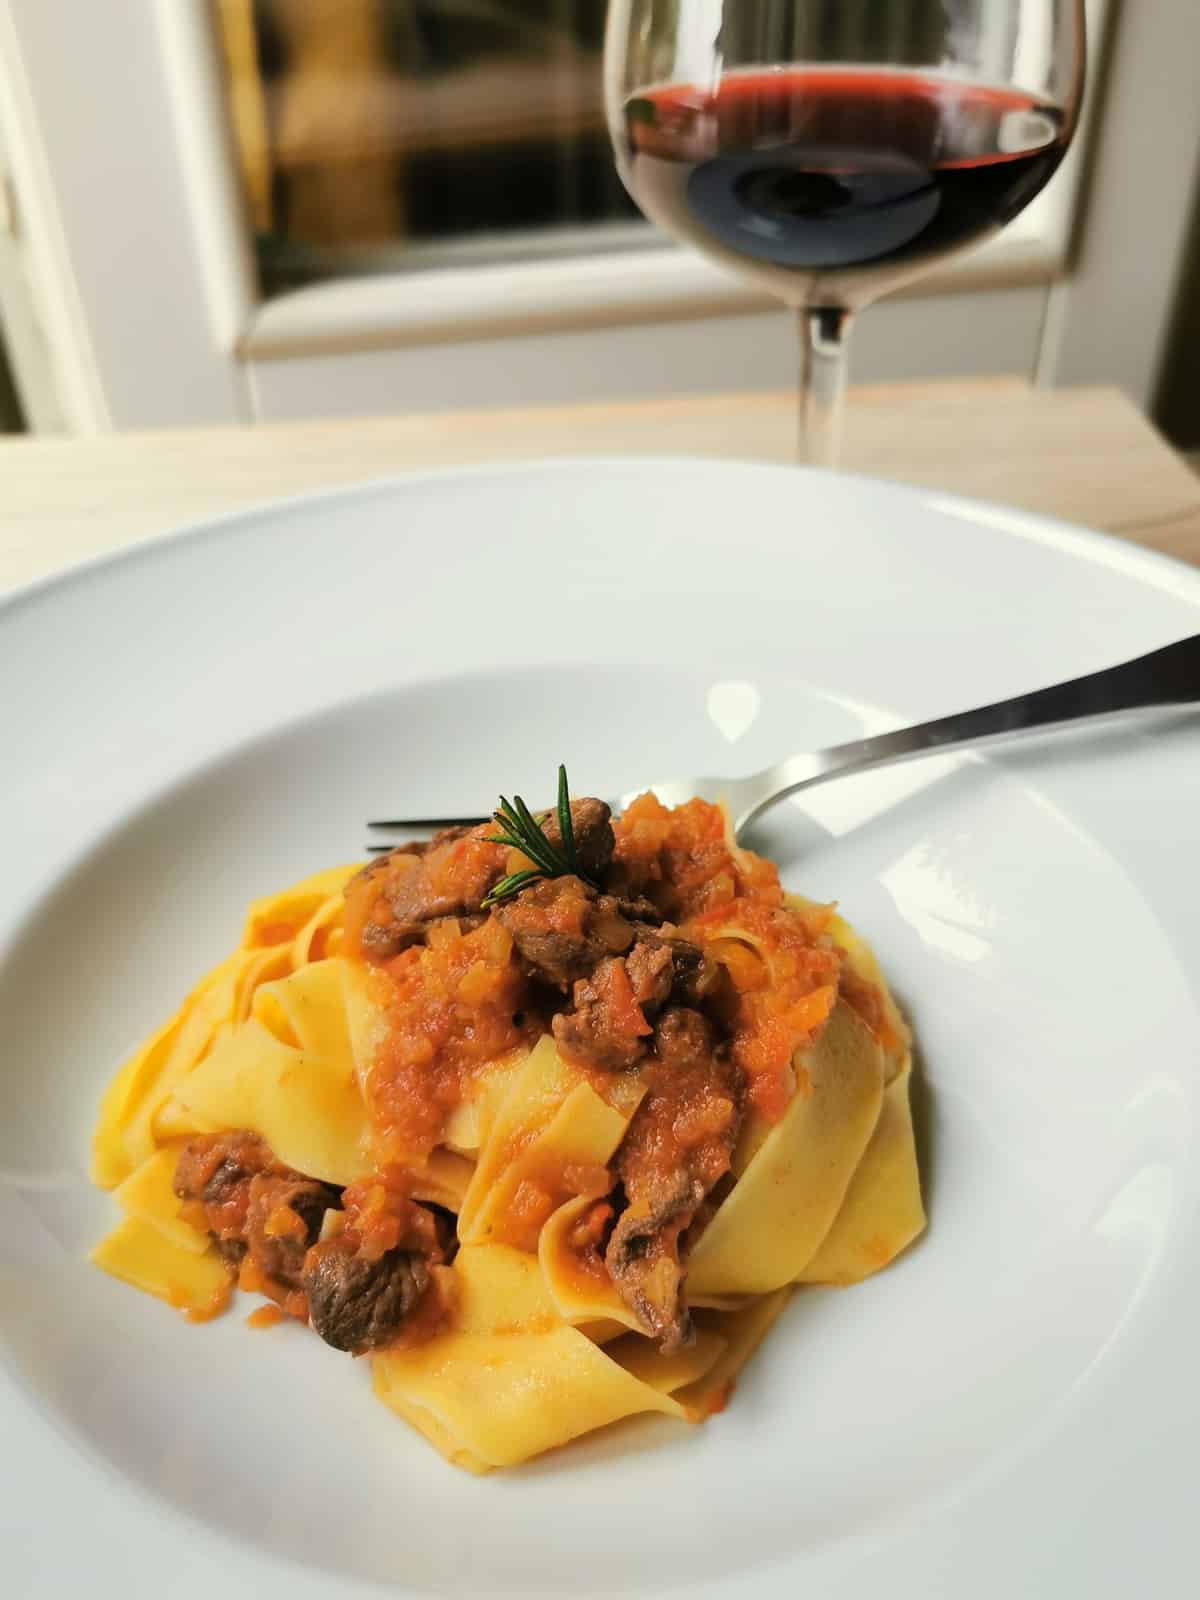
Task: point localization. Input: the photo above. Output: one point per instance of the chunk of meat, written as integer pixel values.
(639, 909)
(391, 903)
(457, 830)
(212, 1178)
(696, 975)
(562, 928)
(359, 1304)
(210, 1168)
(283, 1218)
(611, 1018)
(607, 1028)
(663, 967)
(253, 1204)
(677, 1147)
(651, 968)
(643, 1260)
(356, 1287)
(591, 827)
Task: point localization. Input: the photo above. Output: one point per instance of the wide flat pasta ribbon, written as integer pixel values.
(552, 1127)
(510, 1379)
(127, 1131)
(741, 1333)
(138, 1253)
(882, 1212)
(302, 907)
(307, 1010)
(670, 1374)
(783, 1204)
(305, 1103)
(155, 1250)
(277, 937)
(584, 1299)
(895, 1036)
(149, 1194)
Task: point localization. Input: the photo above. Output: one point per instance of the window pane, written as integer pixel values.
(384, 135)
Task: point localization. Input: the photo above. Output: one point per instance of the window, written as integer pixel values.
(138, 302)
(389, 135)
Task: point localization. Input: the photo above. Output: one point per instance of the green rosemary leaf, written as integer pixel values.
(526, 837)
(530, 840)
(520, 830)
(565, 826)
(526, 817)
(538, 849)
(513, 884)
(505, 839)
(506, 816)
(531, 831)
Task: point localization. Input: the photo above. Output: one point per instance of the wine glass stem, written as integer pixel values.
(824, 334)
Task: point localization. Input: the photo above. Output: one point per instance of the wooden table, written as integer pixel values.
(1085, 455)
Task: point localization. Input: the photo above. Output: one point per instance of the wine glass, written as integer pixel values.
(831, 151)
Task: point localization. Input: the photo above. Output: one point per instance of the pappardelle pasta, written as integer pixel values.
(546, 1118)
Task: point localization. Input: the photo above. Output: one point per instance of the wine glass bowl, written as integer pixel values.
(830, 153)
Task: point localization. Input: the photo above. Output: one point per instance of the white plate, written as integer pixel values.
(1012, 1409)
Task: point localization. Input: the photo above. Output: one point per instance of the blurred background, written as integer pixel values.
(222, 210)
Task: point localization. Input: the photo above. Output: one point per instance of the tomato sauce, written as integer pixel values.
(458, 1001)
(453, 1007)
(268, 1316)
(683, 859)
(782, 970)
(380, 1215)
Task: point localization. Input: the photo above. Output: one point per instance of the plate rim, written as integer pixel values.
(1123, 554)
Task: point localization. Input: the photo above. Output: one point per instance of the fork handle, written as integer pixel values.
(1166, 677)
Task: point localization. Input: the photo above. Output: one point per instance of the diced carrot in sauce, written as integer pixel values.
(529, 1206)
(268, 1316)
(588, 1232)
(578, 1178)
(249, 1278)
(700, 1119)
(623, 1011)
(381, 1215)
(283, 1222)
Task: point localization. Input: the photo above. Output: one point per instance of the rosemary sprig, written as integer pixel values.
(566, 827)
(513, 884)
(522, 831)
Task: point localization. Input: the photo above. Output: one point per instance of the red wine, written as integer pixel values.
(832, 184)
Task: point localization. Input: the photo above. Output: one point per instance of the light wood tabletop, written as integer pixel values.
(1085, 455)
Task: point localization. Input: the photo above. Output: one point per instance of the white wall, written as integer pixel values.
(959, 335)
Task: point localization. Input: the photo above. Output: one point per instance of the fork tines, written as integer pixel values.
(430, 822)
(434, 823)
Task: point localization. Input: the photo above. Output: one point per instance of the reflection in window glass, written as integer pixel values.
(380, 135)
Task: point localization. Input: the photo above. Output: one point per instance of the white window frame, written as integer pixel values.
(166, 325)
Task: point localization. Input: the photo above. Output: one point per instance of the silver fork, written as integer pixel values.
(1166, 677)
